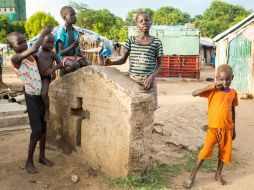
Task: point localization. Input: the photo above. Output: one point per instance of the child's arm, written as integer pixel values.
(205, 89)
(63, 51)
(233, 115)
(18, 57)
(149, 80)
(120, 61)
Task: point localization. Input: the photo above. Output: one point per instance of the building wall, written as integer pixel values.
(103, 115)
(15, 10)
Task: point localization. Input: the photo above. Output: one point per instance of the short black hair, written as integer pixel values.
(142, 13)
(64, 10)
(225, 68)
(10, 37)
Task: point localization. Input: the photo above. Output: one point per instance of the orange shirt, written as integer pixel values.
(220, 105)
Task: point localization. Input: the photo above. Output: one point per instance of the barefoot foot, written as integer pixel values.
(220, 179)
(45, 161)
(188, 183)
(30, 168)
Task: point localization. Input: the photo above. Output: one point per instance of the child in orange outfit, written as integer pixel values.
(221, 122)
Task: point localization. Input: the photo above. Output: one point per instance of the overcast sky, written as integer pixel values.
(122, 7)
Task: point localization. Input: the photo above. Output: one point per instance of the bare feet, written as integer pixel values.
(30, 168)
(220, 179)
(45, 161)
(188, 183)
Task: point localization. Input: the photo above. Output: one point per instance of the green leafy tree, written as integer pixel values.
(170, 16)
(131, 16)
(219, 17)
(102, 22)
(37, 21)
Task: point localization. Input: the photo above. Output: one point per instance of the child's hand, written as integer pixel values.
(107, 62)
(49, 71)
(148, 82)
(47, 30)
(75, 43)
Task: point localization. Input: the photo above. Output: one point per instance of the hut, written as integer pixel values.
(207, 51)
(235, 47)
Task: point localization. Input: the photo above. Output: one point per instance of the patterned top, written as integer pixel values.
(30, 76)
(143, 58)
(62, 35)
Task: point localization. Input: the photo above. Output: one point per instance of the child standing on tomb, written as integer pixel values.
(145, 52)
(45, 60)
(67, 42)
(26, 67)
(221, 122)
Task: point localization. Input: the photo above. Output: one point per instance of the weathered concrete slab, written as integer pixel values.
(11, 109)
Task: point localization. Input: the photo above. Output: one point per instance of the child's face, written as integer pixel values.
(70, 16)
(48, 42)
(225, 79)
(143, 22)
(19, 43)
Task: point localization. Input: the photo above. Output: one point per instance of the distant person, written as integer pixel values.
(45, 60)
(221, 122)
(105, 51)
(26, 67)
(67, 42)
(145, 52)
(213, 60)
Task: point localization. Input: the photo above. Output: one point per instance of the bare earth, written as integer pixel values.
(174, 97)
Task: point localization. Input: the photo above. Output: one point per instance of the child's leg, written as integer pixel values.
(70, 65)
(29, 162)
(42, 157)
(83, 62)
(189, 182)
(225, 151)
(218, 175)
(45, 97)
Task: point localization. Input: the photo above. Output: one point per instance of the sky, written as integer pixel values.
(122, 7)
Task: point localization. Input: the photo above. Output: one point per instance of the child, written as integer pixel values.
(45, 59)
(145, 53)
(67, 42)
(26, 67)
(221, 122)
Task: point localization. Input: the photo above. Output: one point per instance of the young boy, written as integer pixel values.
(221, 122)
(145, 53)
(45, 59)
(67, 42)
(26, 67)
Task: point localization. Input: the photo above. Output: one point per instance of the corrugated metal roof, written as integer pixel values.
(206, 42)
(245, 21)
(7, 4)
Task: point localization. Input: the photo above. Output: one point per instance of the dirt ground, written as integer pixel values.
(13, 150)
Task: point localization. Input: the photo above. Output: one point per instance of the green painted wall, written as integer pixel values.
(175, 42)
(239, 58)
(20, 7)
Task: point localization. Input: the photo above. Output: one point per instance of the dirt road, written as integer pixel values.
(13, 149)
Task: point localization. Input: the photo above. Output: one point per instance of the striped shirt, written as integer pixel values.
(143, 58)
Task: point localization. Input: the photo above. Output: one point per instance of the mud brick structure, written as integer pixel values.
(104, 116)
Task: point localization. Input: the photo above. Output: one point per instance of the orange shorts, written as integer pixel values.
(224, 139)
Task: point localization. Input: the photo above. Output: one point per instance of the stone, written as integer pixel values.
(104, 116)
(74, 178)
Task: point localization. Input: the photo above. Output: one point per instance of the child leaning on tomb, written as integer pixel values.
(145, 53)
(221, 122)
(25, 66)
(67, 42)
(45, 59)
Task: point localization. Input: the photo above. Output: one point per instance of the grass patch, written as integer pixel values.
(162, 176)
